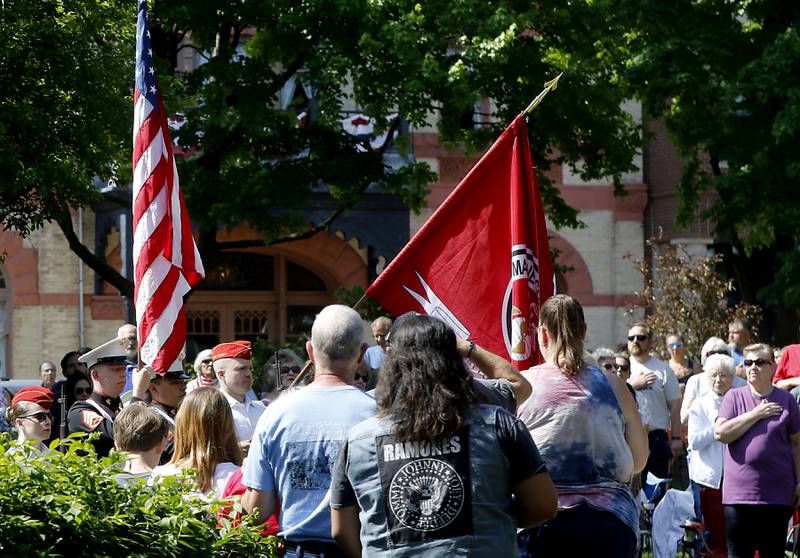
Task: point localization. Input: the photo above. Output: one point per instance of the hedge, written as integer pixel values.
(70, 505)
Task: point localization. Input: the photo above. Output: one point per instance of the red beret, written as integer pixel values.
(234, 349)
(39, 395)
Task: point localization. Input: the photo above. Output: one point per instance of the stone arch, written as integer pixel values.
(577, 277)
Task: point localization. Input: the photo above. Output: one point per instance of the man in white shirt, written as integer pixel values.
(660, 400)
(232, 365)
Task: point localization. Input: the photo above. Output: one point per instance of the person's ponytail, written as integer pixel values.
(563, 318)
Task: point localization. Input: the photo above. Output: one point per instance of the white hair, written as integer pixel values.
(713, 344)
(223, 363)
(205, 354)
(601, 353)
(720, 362)
(336, 335)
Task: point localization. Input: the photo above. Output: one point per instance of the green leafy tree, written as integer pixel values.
(723, 77)
(687, 295)
(248, 159)
(70, 505)
(65, 110)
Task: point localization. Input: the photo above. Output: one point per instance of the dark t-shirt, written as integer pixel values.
(496, 392)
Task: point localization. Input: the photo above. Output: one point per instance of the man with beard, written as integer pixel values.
(660, 401)
(106, 366)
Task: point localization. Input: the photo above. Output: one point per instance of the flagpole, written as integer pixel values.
(548, 87)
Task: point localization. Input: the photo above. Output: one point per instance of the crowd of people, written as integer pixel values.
(428, 444)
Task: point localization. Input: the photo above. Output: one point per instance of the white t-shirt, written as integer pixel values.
(245, 415)
(222, 474)
(654, 400)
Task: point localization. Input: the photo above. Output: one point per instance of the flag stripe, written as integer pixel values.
(166, 260)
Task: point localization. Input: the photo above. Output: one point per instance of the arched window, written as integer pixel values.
(252, 295)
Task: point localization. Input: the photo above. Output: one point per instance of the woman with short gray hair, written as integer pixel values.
(698, 384)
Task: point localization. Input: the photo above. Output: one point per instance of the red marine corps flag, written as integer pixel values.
(165, 259)
(481, 262)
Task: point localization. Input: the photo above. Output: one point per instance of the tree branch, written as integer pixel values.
(322, 226)
(105, 271)
(389, 135)
(280, 80)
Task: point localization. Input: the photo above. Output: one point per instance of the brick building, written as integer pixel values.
(275, 291)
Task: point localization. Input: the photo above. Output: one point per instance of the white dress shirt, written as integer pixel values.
(705, 453)
(245, 415)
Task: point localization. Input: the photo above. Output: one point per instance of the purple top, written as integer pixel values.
(759, 466)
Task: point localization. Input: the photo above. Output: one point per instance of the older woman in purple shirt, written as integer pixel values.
(761, 425)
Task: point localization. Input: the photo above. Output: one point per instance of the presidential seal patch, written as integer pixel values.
(426, 487)
(426, 495)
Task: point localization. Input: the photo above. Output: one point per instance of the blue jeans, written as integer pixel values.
(579, 531)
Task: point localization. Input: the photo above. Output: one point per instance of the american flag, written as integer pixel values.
(165, 258)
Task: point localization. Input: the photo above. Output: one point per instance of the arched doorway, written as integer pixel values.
(252, 295)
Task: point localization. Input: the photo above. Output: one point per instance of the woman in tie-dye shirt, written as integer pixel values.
(587, 428)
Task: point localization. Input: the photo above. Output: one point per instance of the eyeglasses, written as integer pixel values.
(83, 391)
(622, 367)
(719, 376)
(638, 337)
(676, 345)
(41, 416)
(758, 362)
(718, 352)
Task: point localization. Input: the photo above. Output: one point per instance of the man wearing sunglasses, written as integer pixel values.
(657, 389)
(106, 366)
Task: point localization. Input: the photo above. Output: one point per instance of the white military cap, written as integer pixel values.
(110, 352)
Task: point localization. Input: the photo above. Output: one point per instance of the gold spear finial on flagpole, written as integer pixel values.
(548, 87)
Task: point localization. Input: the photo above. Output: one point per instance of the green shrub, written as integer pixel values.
(70, 505)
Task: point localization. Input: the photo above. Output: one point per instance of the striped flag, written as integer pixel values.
(165, 258)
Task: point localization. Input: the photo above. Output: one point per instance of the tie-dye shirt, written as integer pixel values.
(578, 426)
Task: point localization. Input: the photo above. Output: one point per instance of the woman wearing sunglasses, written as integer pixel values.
(760, 424)
(683, 366)
(29, 412)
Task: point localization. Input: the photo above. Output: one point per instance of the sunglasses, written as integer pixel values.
(83, 391)
(638, 337)
(718, 352)
(290, 369)
(622, 367)
(676, 345)
(608, 366)
(41, 416)
(362, 377)
(207, 361)
(758, 362)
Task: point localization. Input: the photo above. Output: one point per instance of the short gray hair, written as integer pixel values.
(713, 344)
(720, 362)
(601, 353)
(337, 335)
